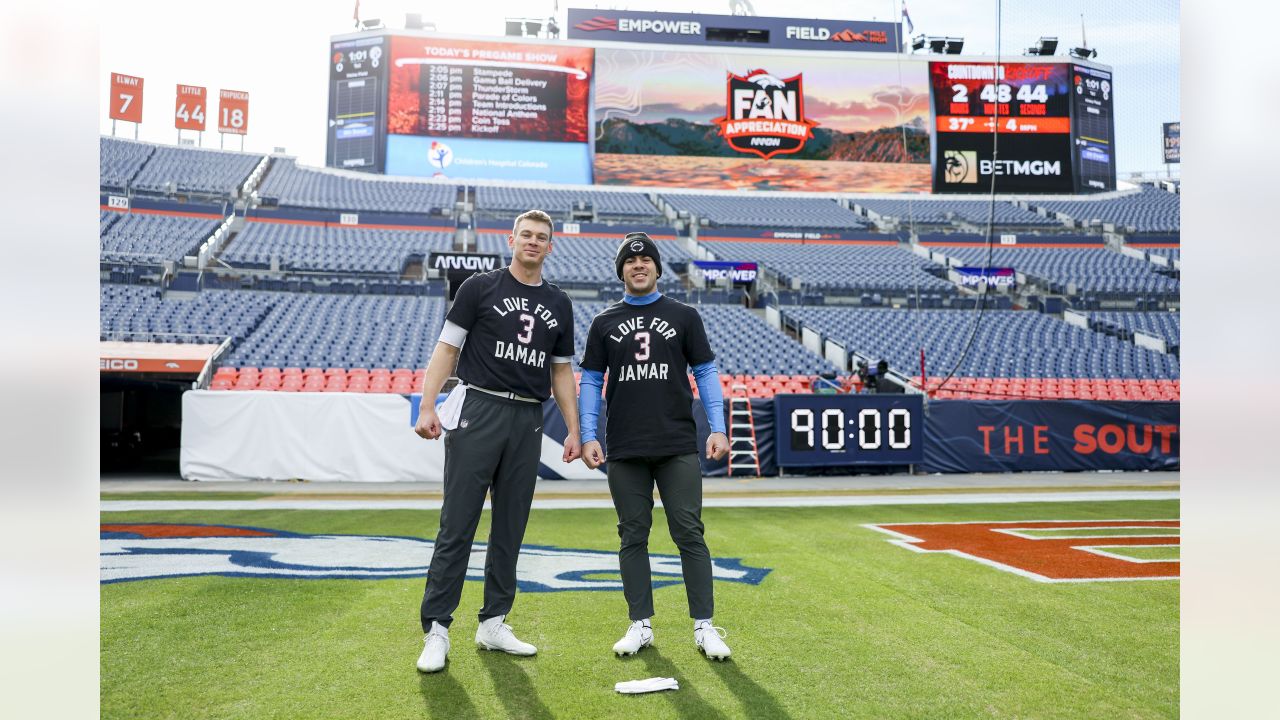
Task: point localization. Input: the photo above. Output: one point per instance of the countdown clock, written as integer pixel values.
(853, 429)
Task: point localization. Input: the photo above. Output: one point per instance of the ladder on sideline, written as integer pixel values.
(742, 432)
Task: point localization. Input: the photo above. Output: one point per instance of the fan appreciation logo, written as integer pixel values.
(765, 115)
(141, 551)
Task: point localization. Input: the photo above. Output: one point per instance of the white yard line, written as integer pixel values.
(573, 504)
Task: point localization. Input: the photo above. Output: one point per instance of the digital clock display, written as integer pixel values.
(817, 430)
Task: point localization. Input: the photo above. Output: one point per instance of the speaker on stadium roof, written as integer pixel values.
(954, 46)
(918, 43)
(937, 45)
(371, 23)
(1083, 53)
(532, 28)
(515, 28)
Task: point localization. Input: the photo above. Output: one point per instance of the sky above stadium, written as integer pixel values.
(277, 52)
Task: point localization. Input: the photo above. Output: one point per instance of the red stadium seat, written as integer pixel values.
(292, 371)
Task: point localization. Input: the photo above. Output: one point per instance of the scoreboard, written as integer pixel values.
(426, 105)
(850, 429)
(1035, 127)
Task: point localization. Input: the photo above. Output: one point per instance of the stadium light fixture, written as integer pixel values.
(1044, 46)
(918, 43)
(953, 46)
(1084, 53)
(515, 28)
(371, 23)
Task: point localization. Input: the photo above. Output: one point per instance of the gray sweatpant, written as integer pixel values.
(679, 481)
(494, 450)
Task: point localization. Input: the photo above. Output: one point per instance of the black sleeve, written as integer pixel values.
(564, 343)
(595, 357)
(696, 348)
(466, 303)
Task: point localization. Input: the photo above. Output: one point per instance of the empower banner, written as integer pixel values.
(994, 276)
(1023, 435)
(738, 272)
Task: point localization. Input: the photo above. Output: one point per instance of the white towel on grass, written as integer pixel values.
(633, 687)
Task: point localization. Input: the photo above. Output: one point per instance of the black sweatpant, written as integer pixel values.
(495, 449)
(679, 480)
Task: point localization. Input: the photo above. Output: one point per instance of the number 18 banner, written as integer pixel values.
(188, 111)
(233, 112)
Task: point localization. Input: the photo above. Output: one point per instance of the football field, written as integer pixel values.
(1021, 610)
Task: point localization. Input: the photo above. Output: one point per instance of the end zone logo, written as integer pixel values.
(1053, 551)
(765, 115)
(141, 551)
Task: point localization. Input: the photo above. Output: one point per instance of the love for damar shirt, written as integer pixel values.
(646, 352)
(513, 332)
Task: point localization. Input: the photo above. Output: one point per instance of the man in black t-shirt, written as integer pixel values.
(510, 335)
(648, 344)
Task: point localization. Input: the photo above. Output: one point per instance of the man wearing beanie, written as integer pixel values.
(648, 344)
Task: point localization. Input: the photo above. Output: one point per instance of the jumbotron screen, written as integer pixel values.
(1037, 112)
(475, 109)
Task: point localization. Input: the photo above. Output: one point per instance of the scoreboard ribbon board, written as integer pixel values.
(852, 429)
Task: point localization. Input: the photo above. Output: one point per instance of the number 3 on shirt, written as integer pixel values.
(642, 337)
(527, 335)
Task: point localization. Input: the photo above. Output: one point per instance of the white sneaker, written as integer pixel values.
(708, 638)
(435, 649)
(493, 634)
(638, 636)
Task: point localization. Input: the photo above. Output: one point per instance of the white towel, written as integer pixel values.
(451, 409)
(633, 687)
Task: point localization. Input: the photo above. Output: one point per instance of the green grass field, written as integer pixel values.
(846, 625)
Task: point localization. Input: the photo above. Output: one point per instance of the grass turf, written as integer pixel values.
(846, 625)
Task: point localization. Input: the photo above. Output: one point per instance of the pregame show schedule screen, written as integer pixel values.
(475, 109)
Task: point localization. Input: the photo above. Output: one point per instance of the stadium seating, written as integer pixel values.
(943, 212)
(1092, 270)
(847, 268)
(135, 313)
(1150, 209)
(120, 160)
(343, 331)
(581, 260)
(1007, 343)
(144, 238)
(194, 170)
(1164, 325)
(282, 329)
(606, 204)
(767, 211)
(743, 342)
(286, 183)
(314, 248)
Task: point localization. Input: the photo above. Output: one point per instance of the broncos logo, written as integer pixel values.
(139, 551)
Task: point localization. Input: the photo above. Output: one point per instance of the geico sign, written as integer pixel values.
(1020, 167)
(114, 364)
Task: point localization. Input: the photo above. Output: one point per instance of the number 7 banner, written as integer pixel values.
(233, 112)
(188, 113)
(126, 98)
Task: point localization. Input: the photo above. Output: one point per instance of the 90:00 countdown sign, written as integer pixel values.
(855, 429)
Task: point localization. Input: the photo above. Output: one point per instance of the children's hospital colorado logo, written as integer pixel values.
(140, 551)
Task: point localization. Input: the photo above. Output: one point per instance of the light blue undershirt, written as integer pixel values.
(705, 375)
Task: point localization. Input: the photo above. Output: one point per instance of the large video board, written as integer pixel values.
(357, 96)
(761, 120)
(1093, 129)
(475, 109)
(1035, 127)
(1029, 107)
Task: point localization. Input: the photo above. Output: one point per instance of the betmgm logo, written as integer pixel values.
(960, 166)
